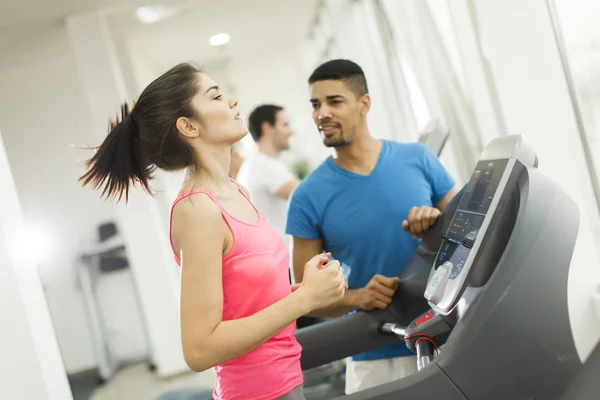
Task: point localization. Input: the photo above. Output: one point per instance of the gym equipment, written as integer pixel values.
(435, 135)
(104, 254)
(586, 385)
(488, 282)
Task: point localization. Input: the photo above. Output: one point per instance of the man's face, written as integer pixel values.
(282, 131)
(337, 111)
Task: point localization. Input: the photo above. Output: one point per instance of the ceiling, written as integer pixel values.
(252, 25)
(32, 13)
(255, 26)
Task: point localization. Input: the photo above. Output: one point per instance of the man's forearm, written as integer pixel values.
(347, 304)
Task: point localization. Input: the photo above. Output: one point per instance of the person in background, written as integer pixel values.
(238, 310)
(270, 182)
(367, 205)
(236, 161)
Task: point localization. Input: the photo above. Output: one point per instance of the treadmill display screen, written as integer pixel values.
(476, 202)
(469, 216)
(454, 253)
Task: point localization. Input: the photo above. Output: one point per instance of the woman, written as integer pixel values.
(238, 310)
(236, 162)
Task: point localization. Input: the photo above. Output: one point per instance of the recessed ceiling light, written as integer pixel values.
(155, 13)
(219, 39)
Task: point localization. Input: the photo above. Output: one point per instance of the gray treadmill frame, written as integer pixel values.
(586, 385)
(518, 319)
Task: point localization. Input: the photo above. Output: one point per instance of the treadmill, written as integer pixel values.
(435, 135)
(488, 283)
(586, 386)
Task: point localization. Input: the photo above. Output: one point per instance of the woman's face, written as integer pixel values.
(218, 116)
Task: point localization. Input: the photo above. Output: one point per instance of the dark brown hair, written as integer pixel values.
(344, 70)
(146, 137)
(264, 113)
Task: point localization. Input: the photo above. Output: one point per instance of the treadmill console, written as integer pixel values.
(462, 238)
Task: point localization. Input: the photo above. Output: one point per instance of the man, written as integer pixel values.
(368, 205)
(269, 181)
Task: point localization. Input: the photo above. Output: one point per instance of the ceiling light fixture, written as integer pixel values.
(151, 14)
(219, 39)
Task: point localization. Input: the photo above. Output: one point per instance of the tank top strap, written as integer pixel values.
(196, 191)
(241, 189)
(181, 197)
(243, 192)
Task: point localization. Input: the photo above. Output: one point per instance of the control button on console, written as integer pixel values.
(469, 241)
(424, 318)
(436, 286)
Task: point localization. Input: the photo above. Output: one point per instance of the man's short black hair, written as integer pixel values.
(345, 70)
(261, 114)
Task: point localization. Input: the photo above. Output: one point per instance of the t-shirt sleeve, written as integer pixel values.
(273, 175)
(440, 180)
(302, 216)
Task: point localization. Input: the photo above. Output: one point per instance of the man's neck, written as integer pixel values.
(361, 155)
(268, 148)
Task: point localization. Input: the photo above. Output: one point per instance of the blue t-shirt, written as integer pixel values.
(359, 218)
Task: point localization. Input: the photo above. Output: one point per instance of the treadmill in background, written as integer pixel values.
(435, 135)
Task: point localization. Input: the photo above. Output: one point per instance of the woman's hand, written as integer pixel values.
(323, 284)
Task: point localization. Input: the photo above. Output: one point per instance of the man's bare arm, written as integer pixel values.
(287, 188)
(446, 199)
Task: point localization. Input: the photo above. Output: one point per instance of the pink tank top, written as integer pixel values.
(255, 275)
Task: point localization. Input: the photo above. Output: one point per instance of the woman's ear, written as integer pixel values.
(187, 127)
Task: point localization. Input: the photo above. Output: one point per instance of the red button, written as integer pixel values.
(424, 318)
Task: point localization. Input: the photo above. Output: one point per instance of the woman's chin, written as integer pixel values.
(241, 135)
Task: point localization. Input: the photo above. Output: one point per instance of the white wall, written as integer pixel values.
(31, 366)
(38, 129)
(139, 220)
(42, 113)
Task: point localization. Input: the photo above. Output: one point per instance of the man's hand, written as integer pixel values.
(378, 293)
(420, 219)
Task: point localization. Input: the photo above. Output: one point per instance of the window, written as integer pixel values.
(576, 28)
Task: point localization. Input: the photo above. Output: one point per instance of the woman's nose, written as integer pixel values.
(233, 103)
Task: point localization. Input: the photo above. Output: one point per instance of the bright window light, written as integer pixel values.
(219, 39)
(33, 243)
(150, 14)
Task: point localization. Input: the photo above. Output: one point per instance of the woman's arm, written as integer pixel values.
(207, 340)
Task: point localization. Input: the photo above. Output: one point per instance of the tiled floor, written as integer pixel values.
(137, 383)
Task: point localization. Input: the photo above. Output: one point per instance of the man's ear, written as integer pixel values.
(187, 127)
(266, 128)
(365, 104)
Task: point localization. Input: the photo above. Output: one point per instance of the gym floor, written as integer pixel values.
(136, 382)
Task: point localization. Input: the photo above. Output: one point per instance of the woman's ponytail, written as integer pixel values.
(147, 136)
(119, 161)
